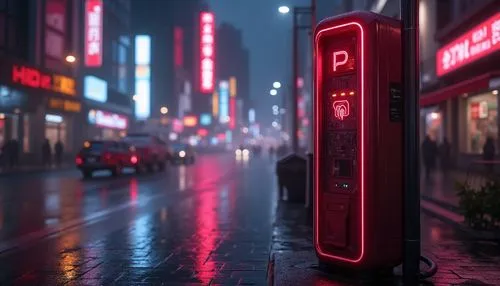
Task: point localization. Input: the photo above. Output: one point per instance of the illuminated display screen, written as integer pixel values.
(340, 108)
(223, 102)
(142, 76)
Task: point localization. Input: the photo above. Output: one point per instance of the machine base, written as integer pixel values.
(356, 275)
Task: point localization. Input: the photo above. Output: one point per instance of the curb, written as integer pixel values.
(456, 220)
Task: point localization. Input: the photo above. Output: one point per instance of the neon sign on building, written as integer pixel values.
(471, 46)
(93, 33)
(207, 52)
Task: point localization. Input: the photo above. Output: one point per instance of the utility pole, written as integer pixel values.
(411, 248)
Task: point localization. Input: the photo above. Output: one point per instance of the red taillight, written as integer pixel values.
(79, 160)
(134, 159)
(107, 156)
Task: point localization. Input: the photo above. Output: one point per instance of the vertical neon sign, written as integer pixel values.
(142, 76)
(207, 52)
(223, 101)
(93, 33)
(232, 112)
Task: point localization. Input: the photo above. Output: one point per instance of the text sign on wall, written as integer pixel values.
(207, 52)
(93, 33)
(107, 119)
(477, 43)
(32, 77)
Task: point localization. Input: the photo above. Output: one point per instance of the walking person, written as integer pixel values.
(59, 150)
(444, 155)
(46, 153)
(429, 153)
(489, 154)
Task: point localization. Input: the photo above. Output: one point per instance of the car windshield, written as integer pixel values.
(138, 140)
(179, 146)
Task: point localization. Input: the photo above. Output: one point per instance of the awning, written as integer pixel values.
(472, 85)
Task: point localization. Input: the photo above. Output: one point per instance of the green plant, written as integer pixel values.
(480, 206)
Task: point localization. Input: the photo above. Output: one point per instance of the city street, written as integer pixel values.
(206, 224)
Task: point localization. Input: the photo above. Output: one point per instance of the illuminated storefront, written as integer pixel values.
(464, 109)
(31, 99)
(106, 125)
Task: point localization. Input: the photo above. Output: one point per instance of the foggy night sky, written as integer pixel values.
(268, 36)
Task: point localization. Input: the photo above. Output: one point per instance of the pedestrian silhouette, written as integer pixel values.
(429, 153)
(489, 153)
(46, 153)
(444, 155)
(59, 150)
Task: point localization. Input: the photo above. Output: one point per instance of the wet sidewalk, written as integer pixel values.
(462, 260)
(31, 169)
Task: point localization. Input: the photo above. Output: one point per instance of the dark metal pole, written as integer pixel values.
(411, 248)
(294, 128)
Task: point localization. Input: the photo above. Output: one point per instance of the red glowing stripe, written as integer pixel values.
(317, 146)
(232, 113)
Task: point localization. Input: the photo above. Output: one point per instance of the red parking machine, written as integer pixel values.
(358, 148)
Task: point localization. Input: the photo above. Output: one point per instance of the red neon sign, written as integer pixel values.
(207, 52)
(93, 33)
(31, 77)
(341, 67)
(341, 109)
(34, 78)
(202, 132)
(475, 44)
(178, 46)
(232, 113)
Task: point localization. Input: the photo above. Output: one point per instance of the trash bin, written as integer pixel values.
(292, 175)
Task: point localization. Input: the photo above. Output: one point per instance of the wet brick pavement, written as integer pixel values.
(461, 259)
(217, 235)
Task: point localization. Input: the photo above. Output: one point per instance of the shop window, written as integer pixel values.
(482, 114)
(56, 131)
(434, 125)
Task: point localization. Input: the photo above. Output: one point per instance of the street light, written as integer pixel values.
(277, 84)
(273, 92)
(164, 110)
(70, 59)
(284, 9)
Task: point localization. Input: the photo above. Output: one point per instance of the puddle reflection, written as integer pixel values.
(207, 232)
(70, 256)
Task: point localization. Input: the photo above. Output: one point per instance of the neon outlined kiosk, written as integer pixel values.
(358, 147)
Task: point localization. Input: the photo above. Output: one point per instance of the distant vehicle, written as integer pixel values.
(153, 151)
(242, 150)
(183, 153)
(106, 155)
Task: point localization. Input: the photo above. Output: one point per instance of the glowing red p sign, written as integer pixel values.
(339, 59)
(342, 58)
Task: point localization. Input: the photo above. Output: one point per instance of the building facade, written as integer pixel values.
(233, 65)
(39, 93)
(106, 74)
(463, 104)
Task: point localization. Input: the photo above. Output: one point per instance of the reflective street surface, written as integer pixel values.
(210, 223)
(205, 223)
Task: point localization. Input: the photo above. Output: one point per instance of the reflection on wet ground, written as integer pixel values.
(206, 223)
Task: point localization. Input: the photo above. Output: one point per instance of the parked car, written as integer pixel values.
(99, 155)
(183, 154)
(153, 151)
